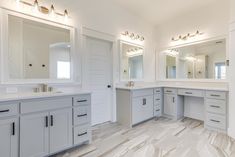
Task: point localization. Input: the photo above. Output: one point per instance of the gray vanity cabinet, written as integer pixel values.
(173, 104)
(60, 130)
(47, 131)
(34, 134)
(9, 137)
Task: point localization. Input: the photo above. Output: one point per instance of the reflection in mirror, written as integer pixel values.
(199, 61)
(170, 66)
(131, 62)
(37, 50)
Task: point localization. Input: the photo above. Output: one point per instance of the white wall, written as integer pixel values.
(232, 10)
(212, 20)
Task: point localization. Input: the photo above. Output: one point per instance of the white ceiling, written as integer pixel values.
(157, 11)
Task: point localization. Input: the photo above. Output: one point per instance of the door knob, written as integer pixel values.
(109, 86)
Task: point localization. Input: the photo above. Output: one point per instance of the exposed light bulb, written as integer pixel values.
(36, 7)
(66, 14)
(52, 11)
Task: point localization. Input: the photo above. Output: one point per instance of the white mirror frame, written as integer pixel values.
(4, 79)
(120, 60)
(162, 62)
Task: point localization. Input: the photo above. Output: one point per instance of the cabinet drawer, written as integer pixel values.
(157, 91)
(216, 106)
(82, 100)
(142, 109)
(82, 134)
(189, 92)
(142, 92)
(170, 90)
(157, 97)
(81, 115)
(157, 112)
(216, 95)
(8, 110)
(37, 105)
(216, 121)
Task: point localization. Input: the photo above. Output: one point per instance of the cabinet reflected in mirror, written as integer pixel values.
(199, 61)
(131, 61)
(37, 50)
(170, 67)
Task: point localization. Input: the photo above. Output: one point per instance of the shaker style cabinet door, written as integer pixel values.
(9, 133)
(61, 134)
(169, 105)
(34, 131)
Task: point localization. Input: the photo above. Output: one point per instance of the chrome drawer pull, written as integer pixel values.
(2, 111)
(168, 91)
(215, 95)
(82, 134)
(82, 115)
(214, 106)
(158, 99)
(82, 101)
(157, 91)
(215, 121)
(188, 93)
(157, 110)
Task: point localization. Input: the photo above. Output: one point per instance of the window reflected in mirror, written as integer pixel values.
(37, 50)
(131, 62)
(199, 61)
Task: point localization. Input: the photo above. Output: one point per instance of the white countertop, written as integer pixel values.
(24, 96)
(172, 86)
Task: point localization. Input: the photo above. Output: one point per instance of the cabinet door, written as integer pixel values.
(9, 137)
(60, 130)
(142, 109)
(34, 131)
(169, 104)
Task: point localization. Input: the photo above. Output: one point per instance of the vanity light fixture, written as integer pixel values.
(133, 36)
(172, 52)
(134, 52)
(186, 37)
(44, 9)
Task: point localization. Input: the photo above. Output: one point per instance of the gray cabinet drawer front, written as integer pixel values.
(81, 134)
(170, 91)
(82, 100)
(157, 113)
(191, 92)
(9, 109)
(142, 92)
(37, 105)
(216, 106)
(142, 109)
(216, 95)
(82, 115)
(157, 97)
(216, 121)
(157, 90)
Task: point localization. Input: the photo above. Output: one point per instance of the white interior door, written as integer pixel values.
(99, 78)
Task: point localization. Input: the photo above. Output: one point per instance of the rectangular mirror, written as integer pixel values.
(37, 50)
(200, 61)
(131, 63)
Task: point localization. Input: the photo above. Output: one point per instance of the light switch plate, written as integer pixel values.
(10, 90)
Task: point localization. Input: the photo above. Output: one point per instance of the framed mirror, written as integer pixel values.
(206, 60)
(37, 50)
(131, 61)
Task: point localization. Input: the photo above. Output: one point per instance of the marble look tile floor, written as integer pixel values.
(156, 138)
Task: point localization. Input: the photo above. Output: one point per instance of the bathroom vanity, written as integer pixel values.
(138, 104)
(42, 124)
